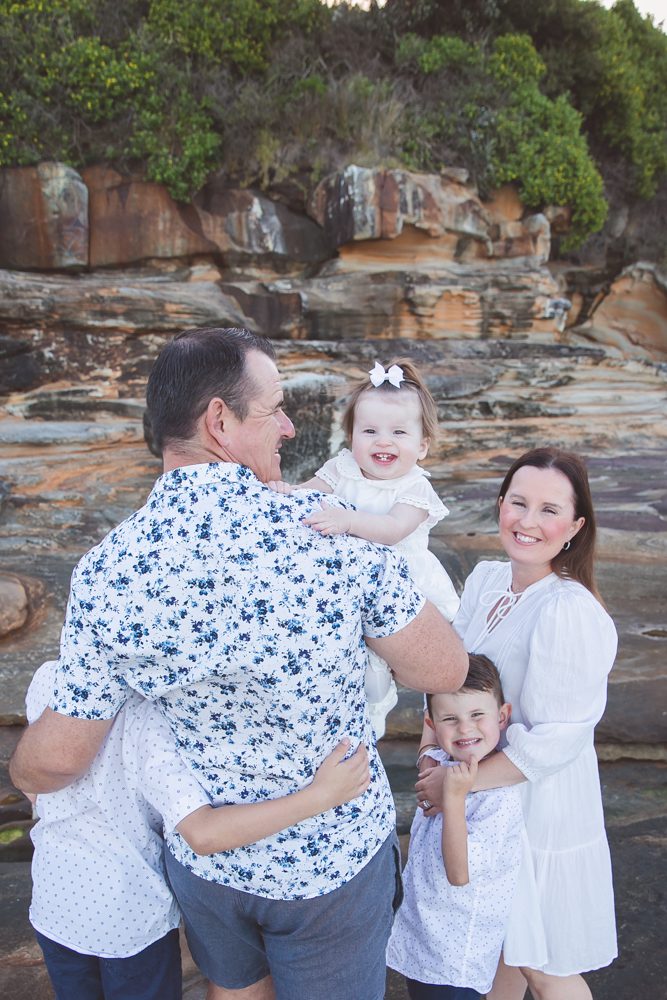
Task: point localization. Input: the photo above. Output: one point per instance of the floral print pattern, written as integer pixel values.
(246, 627)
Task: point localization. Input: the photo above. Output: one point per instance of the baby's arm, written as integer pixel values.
(279, 486)
(457, 780)
(386, 529)
(211, 829)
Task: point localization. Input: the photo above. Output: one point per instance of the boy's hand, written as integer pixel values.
(329, 520)
(459, 778)
(338, 780)
(278, 486)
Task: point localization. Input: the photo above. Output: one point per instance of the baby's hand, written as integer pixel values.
(338, 780)
(278, 486)
(459, 778)
(329, 520)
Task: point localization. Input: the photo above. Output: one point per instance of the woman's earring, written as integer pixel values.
(567, 545)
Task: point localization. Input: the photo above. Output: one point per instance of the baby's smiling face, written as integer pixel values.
(387, 436)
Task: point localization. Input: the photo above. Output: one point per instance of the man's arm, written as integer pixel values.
(55, 750)
(426, 655)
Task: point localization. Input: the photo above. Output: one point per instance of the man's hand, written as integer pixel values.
(330, 520)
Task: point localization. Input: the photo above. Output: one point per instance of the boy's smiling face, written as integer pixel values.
(468, 723)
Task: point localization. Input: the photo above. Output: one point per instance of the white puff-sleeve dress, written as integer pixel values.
(378, 496)
(554, 645)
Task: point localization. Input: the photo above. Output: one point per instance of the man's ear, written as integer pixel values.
(504, 715)
(216, 418)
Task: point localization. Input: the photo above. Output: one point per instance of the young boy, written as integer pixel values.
(463, 864)
(101, 907)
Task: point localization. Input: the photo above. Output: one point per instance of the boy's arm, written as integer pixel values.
(457, 782)
(384, 529)
(223, 828)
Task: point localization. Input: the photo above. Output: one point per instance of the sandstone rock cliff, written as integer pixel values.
(517, 350)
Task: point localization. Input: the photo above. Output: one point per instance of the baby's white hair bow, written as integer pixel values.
(378, 375)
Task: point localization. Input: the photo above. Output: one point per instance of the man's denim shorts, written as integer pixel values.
(331, 947)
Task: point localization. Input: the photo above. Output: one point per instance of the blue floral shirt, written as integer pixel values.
(247, 628)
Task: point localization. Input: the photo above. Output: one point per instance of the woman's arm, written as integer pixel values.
(563, 696)
(385, 529)
(496, 771)
(211, 829)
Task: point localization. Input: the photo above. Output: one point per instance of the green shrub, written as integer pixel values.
(435, 54)
(178, 143)
(268, 90)
(237, 32)
(539, 146)
(515, 63)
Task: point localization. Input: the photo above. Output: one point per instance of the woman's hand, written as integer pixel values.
(429, 788)
(337, 780)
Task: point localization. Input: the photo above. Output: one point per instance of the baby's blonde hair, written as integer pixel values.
(412, 382)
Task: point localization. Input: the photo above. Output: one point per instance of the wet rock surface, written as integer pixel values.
(517, 351)
(75, 464)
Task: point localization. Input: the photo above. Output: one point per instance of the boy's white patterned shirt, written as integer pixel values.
(247, 628)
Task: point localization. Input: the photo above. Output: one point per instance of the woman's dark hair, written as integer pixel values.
(194, 368)
(412, 382)
(575, 563)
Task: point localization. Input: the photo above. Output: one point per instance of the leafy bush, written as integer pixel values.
(497, 122)
(268, 91)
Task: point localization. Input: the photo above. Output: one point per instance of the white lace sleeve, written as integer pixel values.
(420, 493)
(329, 474)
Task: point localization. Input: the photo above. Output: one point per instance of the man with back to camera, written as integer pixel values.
(248, 629)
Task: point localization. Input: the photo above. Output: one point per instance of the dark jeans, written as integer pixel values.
(152, 974)
(428, 991)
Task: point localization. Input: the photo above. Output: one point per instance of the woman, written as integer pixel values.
(539, 618)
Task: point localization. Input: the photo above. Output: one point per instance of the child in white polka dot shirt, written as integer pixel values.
(463, 863)
(103, 912)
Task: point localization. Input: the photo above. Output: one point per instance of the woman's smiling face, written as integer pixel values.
(537, 518)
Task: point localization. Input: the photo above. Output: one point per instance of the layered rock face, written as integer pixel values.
(377, 264)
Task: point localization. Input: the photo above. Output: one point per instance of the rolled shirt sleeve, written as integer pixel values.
(391, 599)
(87, 683)
(564, 693)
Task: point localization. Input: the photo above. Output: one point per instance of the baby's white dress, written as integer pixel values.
(378, 496)
(554, 646)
